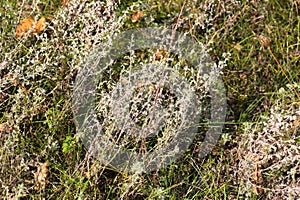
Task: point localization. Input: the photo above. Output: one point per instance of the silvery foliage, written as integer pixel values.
(270, 148)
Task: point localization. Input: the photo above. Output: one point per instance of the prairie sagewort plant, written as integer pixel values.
(36, 80)
(35, 85)
(270, 150)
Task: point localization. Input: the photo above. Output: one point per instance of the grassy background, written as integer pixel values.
(45, 132)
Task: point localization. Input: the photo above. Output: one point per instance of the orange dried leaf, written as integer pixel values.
(24, 27)
(40, 176)
(296, 122)
(257, 176)
(64, 2)
(238, 47)
(93, 170)
(49, 19)
(40, 25)
(264, 40)
(137, 16)
(2, 127)
(258, 190)
(159, 54)
(30, 25)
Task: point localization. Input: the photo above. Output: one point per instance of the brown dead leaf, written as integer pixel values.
(64, 2)
(159, 54)
(2, 65)
(13, 79)
(264, 40)
(2, 127)
(257, 177)
(143, 85)
(137, 16)
(40, 176)
(24, 89)
(296, 122)
(258, 190)
(40, 25)
(29, 24)
(24, 27)
(93, 170)
(16, 81)
(238, 47)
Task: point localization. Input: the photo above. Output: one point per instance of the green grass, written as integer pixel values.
(41, 126)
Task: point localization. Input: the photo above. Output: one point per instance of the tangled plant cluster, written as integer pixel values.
(52, 57)
(270, 148)
(36, 74)
(128, 123)
(147, 95)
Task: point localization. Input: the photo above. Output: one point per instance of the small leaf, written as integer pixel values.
(159, 54)
(92, 171)
(30, 25)
(258, 190)
(296, 122)
(65, 2)
(24, 27)
(2, 127)
(257, 174)
(40, 176)
(40, 25)
(238, 47)
(137, 16)
(264, 40)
